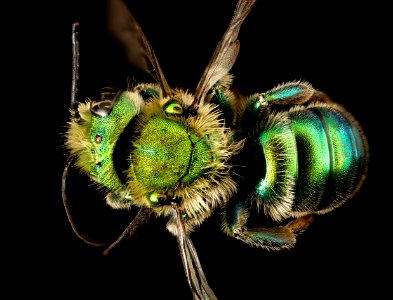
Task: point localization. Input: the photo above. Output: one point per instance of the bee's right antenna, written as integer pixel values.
(75, 116)
(75, 71)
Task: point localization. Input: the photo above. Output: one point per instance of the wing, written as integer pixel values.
(225, 54)
(123, 26)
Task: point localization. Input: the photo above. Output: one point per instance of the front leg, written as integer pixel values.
(274, 238)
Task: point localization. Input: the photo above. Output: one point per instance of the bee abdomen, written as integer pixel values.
(315, 158)
(332, 157)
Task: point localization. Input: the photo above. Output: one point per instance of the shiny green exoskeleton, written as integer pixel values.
(304, 155)
(288, 154)
(154, 151)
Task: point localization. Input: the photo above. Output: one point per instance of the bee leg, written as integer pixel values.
(273, 238)
(142, 217)
(292, 93)
(320, 96)
(297, 92)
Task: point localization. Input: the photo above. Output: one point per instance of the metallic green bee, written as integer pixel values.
(289, 153)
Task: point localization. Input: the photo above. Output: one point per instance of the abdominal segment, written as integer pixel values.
(323, 159)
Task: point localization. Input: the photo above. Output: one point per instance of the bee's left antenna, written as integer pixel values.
(75, 71)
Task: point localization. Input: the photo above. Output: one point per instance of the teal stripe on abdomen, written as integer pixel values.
(313, 159)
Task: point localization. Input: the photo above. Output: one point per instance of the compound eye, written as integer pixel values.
(157, 199)
(173, 107)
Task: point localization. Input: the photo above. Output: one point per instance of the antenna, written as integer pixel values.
(75, 71)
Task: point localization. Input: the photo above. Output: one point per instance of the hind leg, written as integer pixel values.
(274, 238)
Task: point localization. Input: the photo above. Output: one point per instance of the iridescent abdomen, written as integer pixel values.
(331, 157)
(315, 164)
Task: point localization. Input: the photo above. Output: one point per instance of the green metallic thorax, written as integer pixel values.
(167, 154)
(162, 154)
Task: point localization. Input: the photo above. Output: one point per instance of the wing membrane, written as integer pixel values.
(226, 52)
(123, 26)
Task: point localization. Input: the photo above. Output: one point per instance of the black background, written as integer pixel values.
(340, 50)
